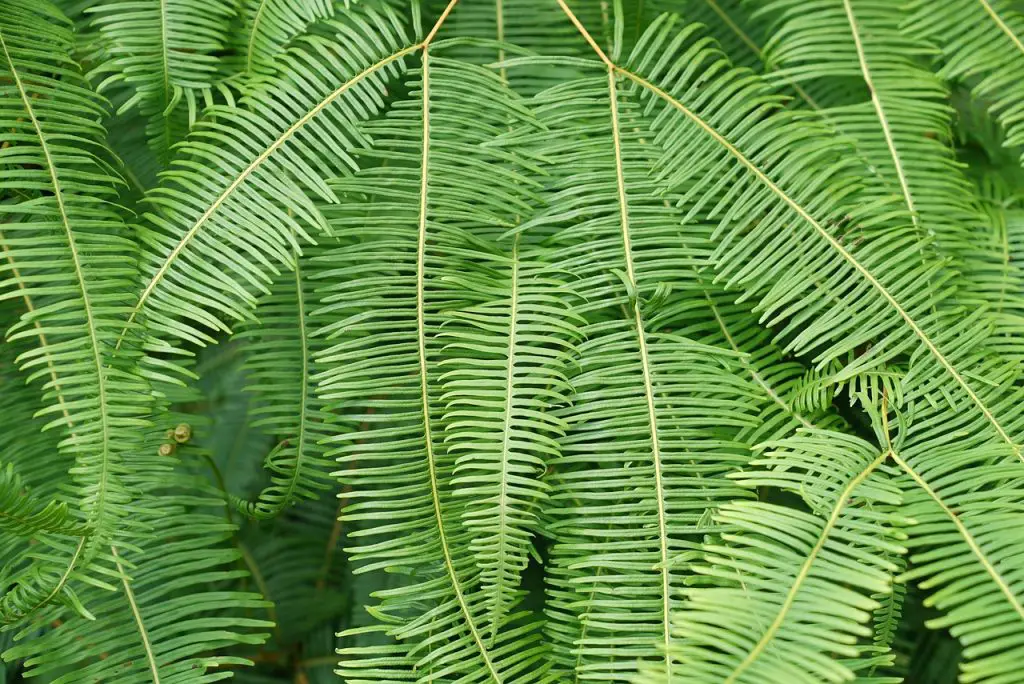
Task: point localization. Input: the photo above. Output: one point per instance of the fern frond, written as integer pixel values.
(279, 366)
(982, 43)
(758, 616)
(887, 616)
(445, 183)
(238, 198)
(713, 317)
(966, 551)
(269, 25)
(785, 199)
(993, 266)
(503, 372)
(166, 51)
(70, 259)
(903, 130)
(167, 617)
(637, 468)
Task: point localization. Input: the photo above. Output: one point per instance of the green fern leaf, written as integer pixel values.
(990, 52)
(758, 618)
(264, 164)
(385, 314)
(69, 258)
(166, 52)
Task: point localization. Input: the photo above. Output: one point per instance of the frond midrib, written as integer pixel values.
(991, 11)
(506, 456)
(421, 340)
(652, 417)
(253, 33)
(143, 633)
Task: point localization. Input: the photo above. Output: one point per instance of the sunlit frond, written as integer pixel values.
(784, 590)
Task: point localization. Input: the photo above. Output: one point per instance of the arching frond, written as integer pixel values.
(166, 51)
(445, 183)
(279, 366)
(831, 273)
(761, 616)
(982, 42)
(238, 198)
(69, 259)
(503, 372)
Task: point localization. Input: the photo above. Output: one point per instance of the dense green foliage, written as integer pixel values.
(512, 341)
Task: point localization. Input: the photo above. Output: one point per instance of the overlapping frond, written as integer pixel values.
(444, 185)
(584, 316)
(70, 261)
(966, 551)
(240, 195)
(638, 467)
(713, 317)
(786, 590)
(168, 617)
(837, 277)
(269, 25)
(279, 368)
(903, 129)
(982, 43)
(166, 52)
